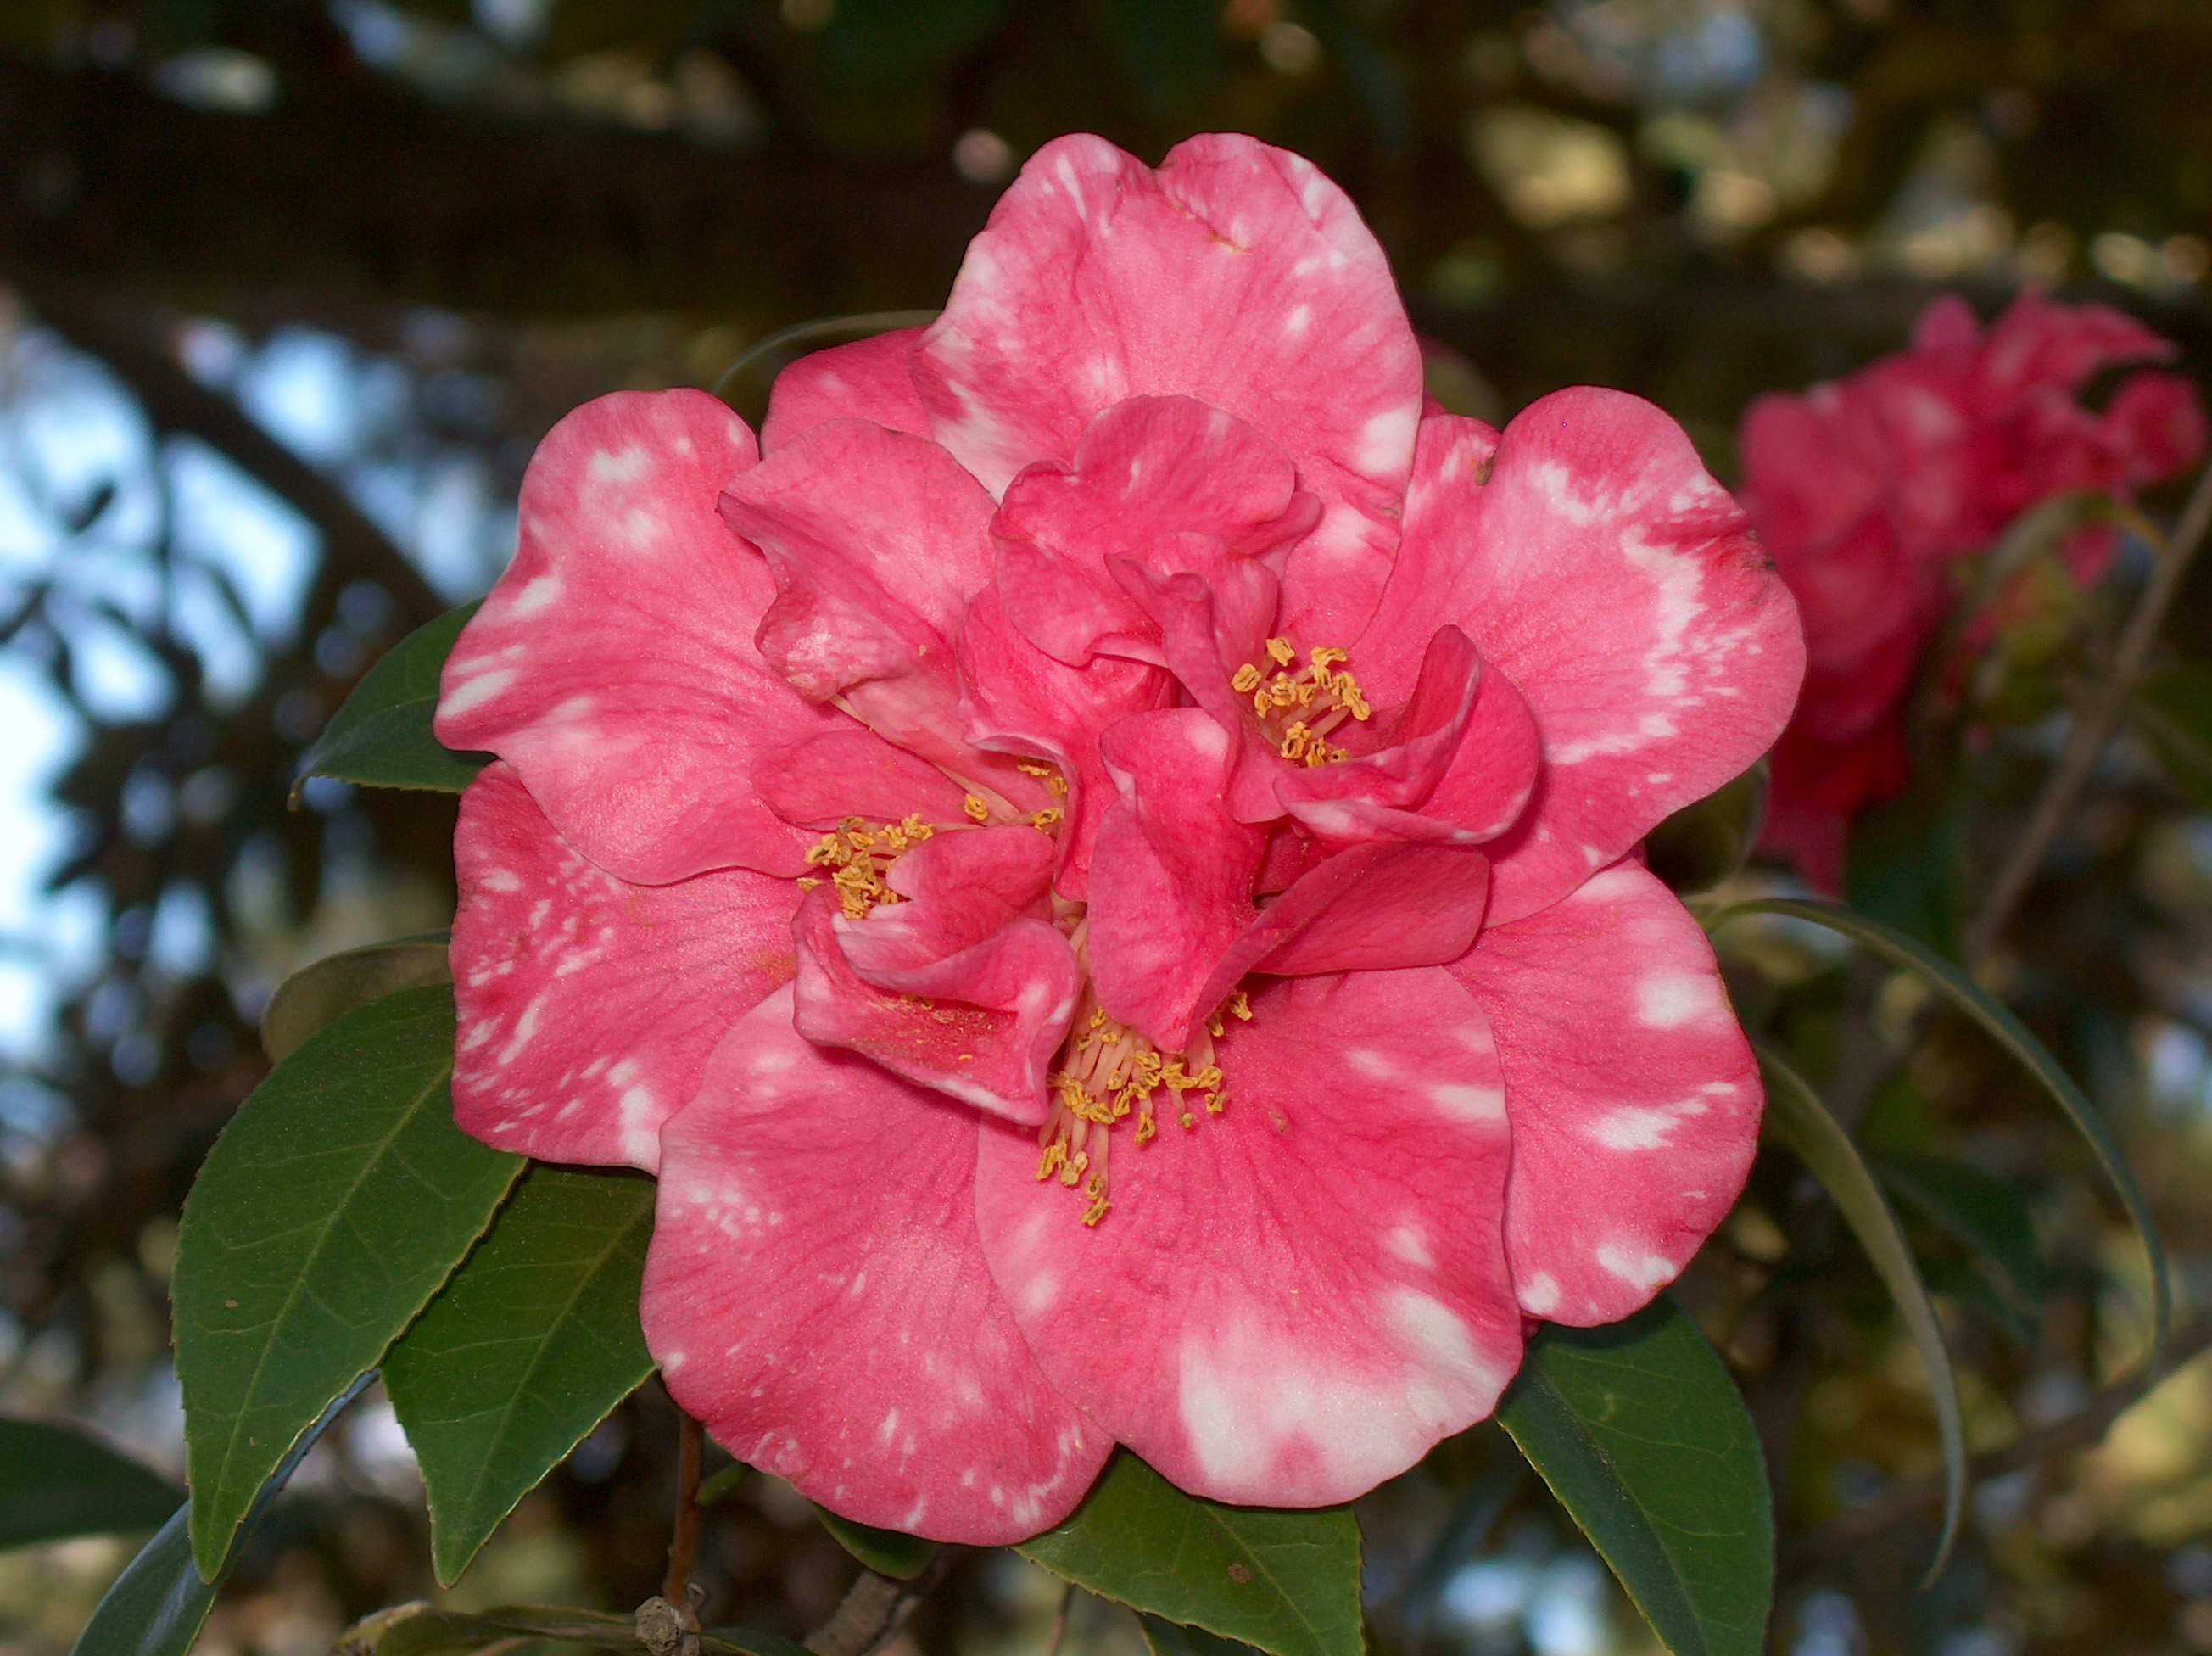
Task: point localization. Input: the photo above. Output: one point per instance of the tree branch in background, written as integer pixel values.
(2093, 726)
(2083, 1429)
(353, 548)
(875, 1608)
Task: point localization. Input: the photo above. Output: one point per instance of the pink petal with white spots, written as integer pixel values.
(877, 540)
(1621, 590)
(588, 1005)
(867, 379)
(1633, 1095)
(816, 1296)
(1171, 873)
(1168, 483)
(613, 665)
(1238, 274)
(1306, 1292)
(1016, 699)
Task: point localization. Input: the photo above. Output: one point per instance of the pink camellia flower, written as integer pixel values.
(1865, 489)
(1098, 866)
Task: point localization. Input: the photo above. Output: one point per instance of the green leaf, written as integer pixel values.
(381, 737)
(1987, 1214)
(1795, 1110)
(1645, 1439)
(335, 1203)
(1997, 1021)
(316, 994)
(158, 1604)
(1166, 1638)
(55, 1483)
(1702, 844)
(525, 1350)
(901, 1557)
(1906, 864)
(1286, 1581)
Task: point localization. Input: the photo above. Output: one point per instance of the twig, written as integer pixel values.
(874, 1609)
(1060, 1620)
(2080, 1430)
(683, 1548)
(2093, 726)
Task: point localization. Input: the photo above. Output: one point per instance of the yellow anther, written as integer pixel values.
(1072, 1174)
(1056, 785)
(917, 829)
(1247, 680)
(1032, 767)
(1240, 1006)
(1281, 650)
(1098, 1016)
(1322, 658)
(1216, 1103)
(1053, 1156)
(1145, 1125)
(1046, 819)
(1186, 1121)
(808, 884)
(976, 807)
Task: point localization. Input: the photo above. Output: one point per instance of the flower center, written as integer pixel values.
(1298, 710)
(1107, 1071)
(858, 857)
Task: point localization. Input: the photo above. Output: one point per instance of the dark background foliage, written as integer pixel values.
(479, 215)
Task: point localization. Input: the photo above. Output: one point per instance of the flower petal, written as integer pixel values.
(1016, 699)
(853, 772)
(587, 1006)
(1166, 482)
(1633, 1095)
(816, 1296)
(1620, 588)
(1306, 1292)
(1171, 874)
(868, 380)
(1237, 274)
(877, 540)
(613, 665)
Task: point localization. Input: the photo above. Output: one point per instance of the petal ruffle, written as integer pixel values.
(964, 988)
(1171, 873)
(1621, 590)
(1305, 1292)
(1238, 274)
(1016, 699)
(613, 665)
(816, 1296)
(1633, 1094)
(1166, 482)
(877, 540)
(588, 1007)
(868, 380)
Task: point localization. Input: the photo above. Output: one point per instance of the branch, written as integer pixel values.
(2095, 724)
(176, 404)
(874, 1609)
(2080, 1430)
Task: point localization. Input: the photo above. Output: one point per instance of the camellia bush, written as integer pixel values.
(1082, 940)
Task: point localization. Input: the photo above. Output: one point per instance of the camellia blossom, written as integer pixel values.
(1097, 864)
(1866, 490)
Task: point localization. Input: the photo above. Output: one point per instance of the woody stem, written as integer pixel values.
(683, 1548)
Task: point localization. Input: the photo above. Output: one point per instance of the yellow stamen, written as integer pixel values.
(974, 806)
(1281, 650)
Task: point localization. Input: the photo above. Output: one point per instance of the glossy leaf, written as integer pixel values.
(56, 1483)
(1702, 844)
(1645, 1440)
(1166, 1638)
(312, 996)
(901, 1557)
(1989, 1216)
(381, 737)
(1286, 1581)
(337, 1201)
(525, 1350)
(1997, 1021)
(1796, 1112)
(158, 1604)
(416, 1630)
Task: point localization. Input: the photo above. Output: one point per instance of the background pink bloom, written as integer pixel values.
(1865, 489)
(1097, 871)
